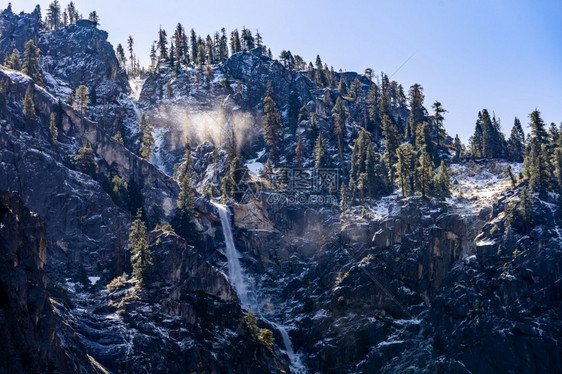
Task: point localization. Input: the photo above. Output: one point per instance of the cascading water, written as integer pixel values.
(237, 280)
(235, 275)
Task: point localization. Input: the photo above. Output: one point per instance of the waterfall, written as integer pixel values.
(237, 280)
(235, 276)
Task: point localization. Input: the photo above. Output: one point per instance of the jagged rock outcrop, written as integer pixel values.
(186, 313)
(75, 55)
(29, 341)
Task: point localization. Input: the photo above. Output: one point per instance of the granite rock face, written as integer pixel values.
(30, 343)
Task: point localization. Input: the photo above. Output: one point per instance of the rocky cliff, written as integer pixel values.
(30, 343)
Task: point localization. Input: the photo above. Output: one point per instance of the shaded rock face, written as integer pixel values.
(178, 322)
(77, 55)
(27, 321)
(83, 223)
(501, 309)
(16, 30)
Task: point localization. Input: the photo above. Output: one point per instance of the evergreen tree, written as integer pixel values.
(235, 44)
(424, 142)
(516, 142)
(141, 258)
(232, 179)
(293, 111)
(537, 165)
(477, 139)
(120, 54)
(53, 15)
(342, 87)
(30, 66)
(339, 126)
(391, 142)
(457, 144)
(373, 109)
(13, 60)
(406, 168)
(223, 46)
(72, 13)
(314, 129)
(442, 181)
(147, 140)
(344, 204)
(153, 57)
(83, 98)
(299, 153)
(85, 161)
(93, 16)
(53, 131)
(417, 110)
(118, 137)
(356, 90)
(321, 159)
(29, 106)
(425, 174)
(193, 45)
(162, 44)
(272, 124)
(437, 120)
(385, 106)
(320, 75)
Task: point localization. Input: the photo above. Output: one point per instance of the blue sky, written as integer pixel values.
(502, 55)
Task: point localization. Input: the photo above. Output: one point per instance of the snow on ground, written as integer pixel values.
(136, 87)
(254, 166)
(94, 280)
(476, 186)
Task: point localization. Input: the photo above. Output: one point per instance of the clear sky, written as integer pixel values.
(503, 55)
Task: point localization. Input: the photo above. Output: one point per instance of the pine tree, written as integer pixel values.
(13, 60)
(356, 90)
(162, 44)
(72, 13)
(83, 98)
(147, 140)
(437, 120)
(141, 258)
(406, 168)
(339, 126)
(442, 181)
(299, 153)
(392, 142)
(425, 174)
(272, 124)
(342, 87)
(53, 15)
(293, 111)
(344, 204)
(85, 161)
(424, 142)
(516, 142)
(120, 54)
(321, 159)
(118, 137)
(235, 44)
(53, 131)
(93, 16)
(320, 75)
(457, 144)
(417, 110)
(477, 139)
(29, 106)
(30, 66)
(373, 109)
(537, 161)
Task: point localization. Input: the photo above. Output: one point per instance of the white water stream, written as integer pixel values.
(238, 281)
